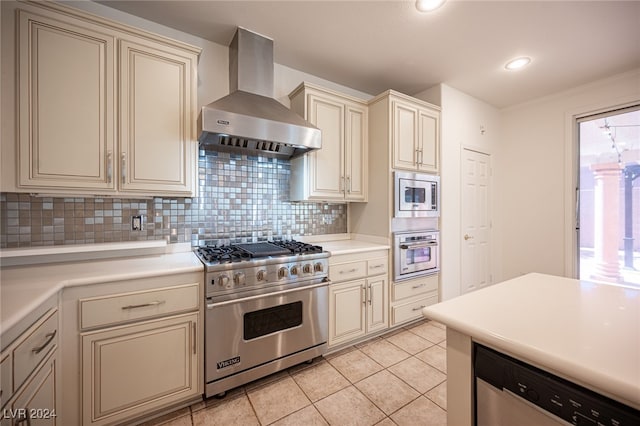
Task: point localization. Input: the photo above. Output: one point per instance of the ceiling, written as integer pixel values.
(372, 46)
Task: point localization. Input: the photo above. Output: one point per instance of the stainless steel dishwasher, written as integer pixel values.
(510, 392)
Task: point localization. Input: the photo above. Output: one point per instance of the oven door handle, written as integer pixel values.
(415, 246)
(263, 295)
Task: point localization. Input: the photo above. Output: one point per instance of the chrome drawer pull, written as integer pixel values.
(377, 266)
(144, 305)
(49, 337)
(350, 271)
(417, 309)
(418, 286)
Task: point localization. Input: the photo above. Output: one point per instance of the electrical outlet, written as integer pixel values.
(137, 223)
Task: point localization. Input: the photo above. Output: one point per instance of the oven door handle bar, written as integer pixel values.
(324, 283)
(415, 246)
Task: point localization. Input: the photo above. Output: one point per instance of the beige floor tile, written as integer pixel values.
(408, 341)
(266, 380)
(349, 407)
(339, 353)
(422, 411)
(168, 418)
(234, 411)
(355, 365)
(439, 395)
(386, 391)
(215, 401)
(438, 324)
(386, 422)
(430, 332)
(384, 353)
(434, 356)
(320, 381)
(308, 416)
(418, 374)
(443, 344)
(277, 400)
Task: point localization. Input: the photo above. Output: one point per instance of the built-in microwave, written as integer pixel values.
(416, 195)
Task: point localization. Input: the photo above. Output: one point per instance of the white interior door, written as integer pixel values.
(476, 220)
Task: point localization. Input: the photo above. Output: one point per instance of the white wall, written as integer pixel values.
(536, 177)
(462, 119)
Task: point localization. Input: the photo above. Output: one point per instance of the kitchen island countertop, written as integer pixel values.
(588, 333)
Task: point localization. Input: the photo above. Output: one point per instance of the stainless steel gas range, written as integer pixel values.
(267, 309)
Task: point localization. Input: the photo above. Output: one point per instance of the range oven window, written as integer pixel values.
(270, 320)
(415, 195)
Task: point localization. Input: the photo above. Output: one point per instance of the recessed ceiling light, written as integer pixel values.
(518, 63)
(428, 5)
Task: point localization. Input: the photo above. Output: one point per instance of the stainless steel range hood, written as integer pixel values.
(249, 118)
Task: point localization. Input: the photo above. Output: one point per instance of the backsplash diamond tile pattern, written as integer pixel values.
(241, 199)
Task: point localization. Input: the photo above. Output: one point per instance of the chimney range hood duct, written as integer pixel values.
(249, 118)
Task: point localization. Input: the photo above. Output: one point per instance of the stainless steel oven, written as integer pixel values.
(267, 309)
(415, 254)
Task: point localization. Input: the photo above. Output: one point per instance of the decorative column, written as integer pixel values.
(606, 221)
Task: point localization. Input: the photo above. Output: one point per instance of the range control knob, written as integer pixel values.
(283, 272)
(223, 280)
(318, 267)
(240, 278)
(294, 270)
(261, 275)
(307, 268)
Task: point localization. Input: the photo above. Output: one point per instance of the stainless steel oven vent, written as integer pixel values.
(250, 116)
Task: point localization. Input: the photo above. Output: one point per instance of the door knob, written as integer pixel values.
(467, 237)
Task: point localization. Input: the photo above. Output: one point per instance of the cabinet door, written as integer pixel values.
(405, 136)
(346, 311)
(65, 104)
(36, 403)
(377, 303)
(429, 137)
(156, 118)
(326, 165)
(356, 158)
(132, 369)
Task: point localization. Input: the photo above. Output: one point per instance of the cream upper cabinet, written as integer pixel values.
(101, 109)
(66, 104)
(157, 152)
(337, 171)
(415, 135)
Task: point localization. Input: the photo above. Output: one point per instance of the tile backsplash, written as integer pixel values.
(241, 199)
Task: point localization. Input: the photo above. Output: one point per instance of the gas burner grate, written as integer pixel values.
(244, 252)
(223, 254)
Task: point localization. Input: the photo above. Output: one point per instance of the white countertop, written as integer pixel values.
(24, 288)
(351, 246)
(585, 332)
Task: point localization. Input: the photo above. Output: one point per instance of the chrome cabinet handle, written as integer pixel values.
(341, 183)
(143, 305)
(349, 184)
(415, 246)
(50, 337)
(124, 168)
(418, 308)
(418, 286)
(467, 237)
(195, 337)
(109, 167)
(350, 271)
(377, 266)
(370, 296)
(364, 295)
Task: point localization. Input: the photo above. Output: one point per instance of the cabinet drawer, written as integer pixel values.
(35, 347)
(412, 310)
(348, 271)
(405, 289)
(377, 266)
(121, 308)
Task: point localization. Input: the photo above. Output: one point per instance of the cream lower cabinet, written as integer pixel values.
(77, 134)
(140, 366)
(358, 296)
(409, 297)
(132, 353)
(337, 171)
(30, 375)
